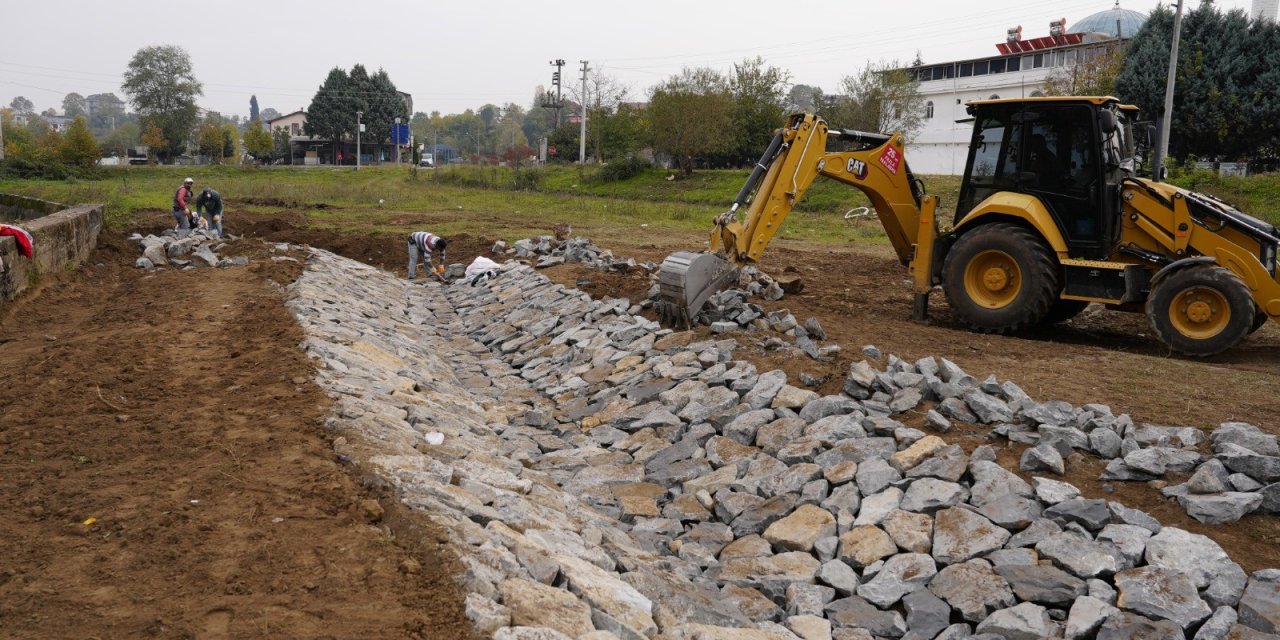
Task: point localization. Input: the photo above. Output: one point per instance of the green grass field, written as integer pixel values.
(344, 199)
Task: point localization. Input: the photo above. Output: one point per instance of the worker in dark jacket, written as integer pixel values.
(209, 204)
(182, 206)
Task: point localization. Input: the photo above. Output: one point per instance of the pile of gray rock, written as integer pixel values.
(548, 252)
(196, 249)
(603, 478)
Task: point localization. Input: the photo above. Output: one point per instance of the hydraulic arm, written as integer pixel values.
(794, 159)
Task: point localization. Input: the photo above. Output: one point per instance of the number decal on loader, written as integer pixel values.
(858, 168)
(891, 159)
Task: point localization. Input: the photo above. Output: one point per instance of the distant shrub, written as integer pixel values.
(622, 169)
(528, 179)
(43, 168)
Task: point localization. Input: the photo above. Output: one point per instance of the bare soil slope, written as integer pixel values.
(164, 472)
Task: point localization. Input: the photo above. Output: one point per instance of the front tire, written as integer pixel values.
(1259, 319)
(1201, 310)
(1000, 278)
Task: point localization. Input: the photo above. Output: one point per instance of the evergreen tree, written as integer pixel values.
(332, 114)
(253, 108)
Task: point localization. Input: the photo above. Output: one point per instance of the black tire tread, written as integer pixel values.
(1063, 310)
(1043, 269)
(1228, 282)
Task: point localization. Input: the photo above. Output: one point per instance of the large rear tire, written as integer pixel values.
(1063, 310)
(1201, 310)
(1000, 278)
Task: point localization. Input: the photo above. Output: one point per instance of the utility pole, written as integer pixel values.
(582, 136)
(1166, 120)
(397, 140)
(359, 128)
(556, 104)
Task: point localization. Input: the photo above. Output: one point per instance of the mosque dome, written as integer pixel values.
(1105, 22)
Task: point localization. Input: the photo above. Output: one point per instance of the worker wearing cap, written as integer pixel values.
(182, 206)
(210, 203)
(421, 244)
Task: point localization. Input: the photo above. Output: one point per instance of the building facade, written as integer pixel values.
(1019, 69)
(1264, 10)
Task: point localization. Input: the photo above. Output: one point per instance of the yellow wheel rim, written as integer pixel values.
(1199, 312)
(992, 279)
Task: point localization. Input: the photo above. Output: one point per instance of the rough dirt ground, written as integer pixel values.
(205, 398)
(164, 472)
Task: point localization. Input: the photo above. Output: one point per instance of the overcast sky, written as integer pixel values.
(457, 55)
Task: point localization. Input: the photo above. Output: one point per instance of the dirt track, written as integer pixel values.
(218, 410)
(165, 472)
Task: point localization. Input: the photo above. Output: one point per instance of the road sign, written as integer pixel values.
(400, 134)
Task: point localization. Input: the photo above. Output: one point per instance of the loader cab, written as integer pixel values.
(1066, 152)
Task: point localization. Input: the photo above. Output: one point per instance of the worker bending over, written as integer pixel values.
(421, 244)
(210, 205)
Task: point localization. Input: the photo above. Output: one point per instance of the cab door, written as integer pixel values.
(1061, 166)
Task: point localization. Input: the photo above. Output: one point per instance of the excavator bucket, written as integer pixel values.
(686, 281)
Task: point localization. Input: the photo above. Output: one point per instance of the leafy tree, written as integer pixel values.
(1093, 74)
(270, 114)
(759, 98)
(258, 142)
(17, 139)
(619, 134)
(74, 105)
(160, 83)
(78, 148)
(332, 112)
(253, 108)
(281, 146)
(49, 113)
(692, 116)
(22, 106)
(604, 95)
(119, 140)
(153, 137)
(209, 140)
(539, 120)
(883, 97)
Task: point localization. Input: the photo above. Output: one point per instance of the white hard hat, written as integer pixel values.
(187, 180)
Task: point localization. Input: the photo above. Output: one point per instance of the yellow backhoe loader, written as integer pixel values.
(1051, 217)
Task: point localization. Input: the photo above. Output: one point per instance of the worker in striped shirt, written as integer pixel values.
(421, 244)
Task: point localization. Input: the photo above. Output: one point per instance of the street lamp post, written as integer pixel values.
(397, 140)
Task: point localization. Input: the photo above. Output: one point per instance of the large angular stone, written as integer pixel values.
(1052, 492)
(1026, 621)
(1090, 514)
(927, 615)
(1208, 566)
(855, 612)
(616, 606)
(1161, 594)
(876, 507)
(917, 452)
(765, 389)
(862, 545)
(1246, 436)
(742, 429)
(537, 605)
(1260, 604)
(960, 534)
(798, 531)
(972, 589)
(912, 532)
(1131, 626)
(900, 575)
(875, 475)
(1220, 508)
(988, 408)
(1077, 554)
(756, 518)
(1042, 458)
(1086, 617)
(928, 495)
(1042, 584)
(792, 566)
(1264, 469)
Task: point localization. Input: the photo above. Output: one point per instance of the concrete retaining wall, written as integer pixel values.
(64, 237)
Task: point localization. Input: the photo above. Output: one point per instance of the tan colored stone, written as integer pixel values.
(916, 453)
(912, 532)
(863, 545)
(841, 472)
(790, 397)
(639, 506)
(798, 531)
(639, 489)
(537, 605)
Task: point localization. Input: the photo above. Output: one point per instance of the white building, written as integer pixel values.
(1264, 10)
(1018, 70)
